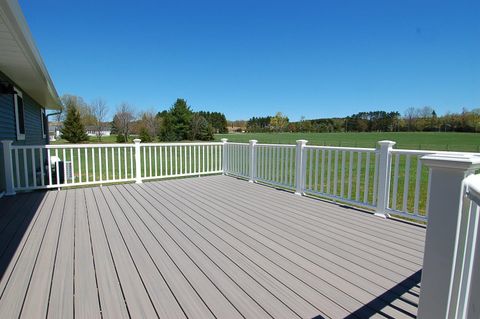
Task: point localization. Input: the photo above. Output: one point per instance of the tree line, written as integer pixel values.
(413, 120)
(177, 123)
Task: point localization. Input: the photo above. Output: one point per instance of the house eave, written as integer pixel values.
(20, 59)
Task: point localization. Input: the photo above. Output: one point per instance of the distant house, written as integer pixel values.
(93, 131)
(26, 90)
(54, 130)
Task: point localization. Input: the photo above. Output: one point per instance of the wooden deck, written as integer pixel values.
(202, 248)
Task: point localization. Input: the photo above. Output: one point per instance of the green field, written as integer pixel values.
(466, 142)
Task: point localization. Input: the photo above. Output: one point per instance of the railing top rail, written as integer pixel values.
(60, 146)
(425, 152)
(236, 143)
(341, 148)
(472, 184)
(276, 145)
(111, 145)
(181, 143)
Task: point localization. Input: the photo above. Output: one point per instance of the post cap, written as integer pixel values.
(302, 142)
(137, 140)
(224, 140)
(456, 161)
(253, 141)
(386, 142)
(472, 183)
(7, 142)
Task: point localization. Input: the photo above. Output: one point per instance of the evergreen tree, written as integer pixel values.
(181, 115)
(167, 131)
(200, 129)
(73, 129)
(114, 129)
(145, 135)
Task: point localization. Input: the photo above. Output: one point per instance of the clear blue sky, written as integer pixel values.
(245, 58)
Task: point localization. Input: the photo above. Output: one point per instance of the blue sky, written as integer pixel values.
(253, 58)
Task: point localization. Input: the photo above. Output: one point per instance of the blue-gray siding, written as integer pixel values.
(33, 123)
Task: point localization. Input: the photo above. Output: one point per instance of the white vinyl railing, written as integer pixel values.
(53, 166)
(165, 160)
(383, 179)
(386, 180)
(342, 173)
(465, 299)
(275, 164)
(451, 263)
(237, 163)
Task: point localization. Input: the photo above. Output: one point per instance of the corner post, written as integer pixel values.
(253, 160)
(224, 156)
(383, 190)
(138, 162)
(300, 169)
(8, 168)
(446, 222)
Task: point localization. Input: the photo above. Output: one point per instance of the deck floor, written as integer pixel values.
(209, 247)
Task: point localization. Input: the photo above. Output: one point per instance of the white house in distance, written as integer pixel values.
(94, 132)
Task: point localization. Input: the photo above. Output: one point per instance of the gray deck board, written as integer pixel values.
(16, 280)
(274, 222)
(112, 301)
(86, 299)
(209, 266)
(235, 268)
(343, 266)
(210, 247)
(163, 300)
(36, 300)
(191, 287)
(328, 272)
(61, 295)
(137, 298)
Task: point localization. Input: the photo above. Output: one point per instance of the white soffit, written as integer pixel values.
(20, 59)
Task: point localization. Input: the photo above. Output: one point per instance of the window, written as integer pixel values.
(44, 120)
(19, 114)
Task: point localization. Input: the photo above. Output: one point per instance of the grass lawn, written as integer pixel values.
(94, 140)
(466, 142)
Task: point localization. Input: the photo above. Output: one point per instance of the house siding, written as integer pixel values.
(33, 123)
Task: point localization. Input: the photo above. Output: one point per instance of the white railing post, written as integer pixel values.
(252, 153)
(383, 190)
(8, 167)
(300, 169)
(138, 162)
(224, 156)
(442, 262)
